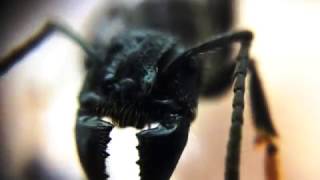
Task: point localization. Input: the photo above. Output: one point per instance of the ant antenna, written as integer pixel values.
(8, 61)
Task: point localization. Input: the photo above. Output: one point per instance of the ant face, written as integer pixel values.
(128, 73)
(130, 67)
(130, 81)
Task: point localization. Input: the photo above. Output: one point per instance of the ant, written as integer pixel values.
(146, 77)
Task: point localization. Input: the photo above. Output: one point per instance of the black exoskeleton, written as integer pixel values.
(146, 77)
(142, 80)
(134, 85)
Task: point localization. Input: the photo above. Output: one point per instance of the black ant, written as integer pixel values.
(145, 77)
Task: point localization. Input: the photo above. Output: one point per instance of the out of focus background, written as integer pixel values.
(38, 97)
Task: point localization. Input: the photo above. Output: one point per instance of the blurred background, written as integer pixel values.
(38, 97)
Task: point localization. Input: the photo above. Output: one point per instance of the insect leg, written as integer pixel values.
(49, 28)
(261, 114)
(92, 137)
(160, 149)
(234, 144)
(266, 133)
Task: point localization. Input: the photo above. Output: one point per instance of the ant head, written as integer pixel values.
(130, 68)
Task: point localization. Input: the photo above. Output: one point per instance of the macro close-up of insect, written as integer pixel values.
(151, 74)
